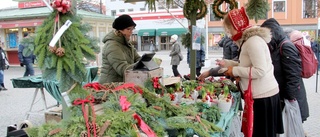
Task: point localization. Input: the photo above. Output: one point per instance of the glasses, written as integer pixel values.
(130, 28)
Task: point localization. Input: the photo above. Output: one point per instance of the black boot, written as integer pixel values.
(2, 87)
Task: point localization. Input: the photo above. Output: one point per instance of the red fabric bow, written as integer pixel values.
(62, 6)
(95, 86)
(131, 86)
(89, 99)
(125, 105)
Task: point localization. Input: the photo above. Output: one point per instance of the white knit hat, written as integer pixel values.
(174, 38)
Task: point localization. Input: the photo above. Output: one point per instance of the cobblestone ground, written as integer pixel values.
(15, 102)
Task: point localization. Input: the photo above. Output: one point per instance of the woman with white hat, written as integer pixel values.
(175, 55)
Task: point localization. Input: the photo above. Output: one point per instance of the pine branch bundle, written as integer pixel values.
(70, 67)
(257, 9)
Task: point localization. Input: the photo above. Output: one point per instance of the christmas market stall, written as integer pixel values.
(149, 108)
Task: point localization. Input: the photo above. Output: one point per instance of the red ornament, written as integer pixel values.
(62, 6)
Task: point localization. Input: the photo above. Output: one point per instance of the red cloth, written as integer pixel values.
(125, 105)
(247, 118)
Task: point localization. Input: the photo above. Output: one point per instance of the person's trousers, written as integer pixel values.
(175, 71)
(29, 70)
(198, 71)
(1, 77)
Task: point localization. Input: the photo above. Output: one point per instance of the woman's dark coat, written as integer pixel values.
(287, 67)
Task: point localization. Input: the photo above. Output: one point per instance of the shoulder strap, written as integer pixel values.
(285, 41)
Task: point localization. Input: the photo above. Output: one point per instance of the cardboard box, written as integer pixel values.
(139, 77)
(53, 114)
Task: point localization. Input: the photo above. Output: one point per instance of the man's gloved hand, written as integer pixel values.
(21, 64)
(229, 72)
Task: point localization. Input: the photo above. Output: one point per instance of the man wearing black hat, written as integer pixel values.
(118, 54)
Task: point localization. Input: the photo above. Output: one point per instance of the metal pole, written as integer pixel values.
(317, 40)
(207, 35)
(100, 7)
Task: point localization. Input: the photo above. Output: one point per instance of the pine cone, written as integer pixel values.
(91, 128)
(84, 134)
(52, 49)
(60, 52)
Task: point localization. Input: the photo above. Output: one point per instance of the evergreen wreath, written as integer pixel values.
(216, 4)
(198, 6)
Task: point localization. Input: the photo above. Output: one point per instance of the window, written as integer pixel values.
(279, 6)
(309, 8)
(113, 12)
(121, 10)
(142, 9)
(130, 10)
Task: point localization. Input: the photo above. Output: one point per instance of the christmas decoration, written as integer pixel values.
(90, 126)
(257, 9)
(65, 63)
(216, 7)
(62, 6)
(198, 6)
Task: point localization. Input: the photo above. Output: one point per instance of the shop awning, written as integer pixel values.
(171, 31)
(147, 32)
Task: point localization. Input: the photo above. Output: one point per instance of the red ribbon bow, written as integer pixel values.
(62, 6)
(125, 105)
(95, 85)
(89, 99)
(131, 86)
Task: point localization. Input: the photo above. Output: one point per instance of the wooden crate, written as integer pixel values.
(139, 77)
(53, 114)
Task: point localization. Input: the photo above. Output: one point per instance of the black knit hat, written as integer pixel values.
(122, 22)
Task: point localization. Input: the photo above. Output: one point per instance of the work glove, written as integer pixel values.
(21, 64)
(229, 72)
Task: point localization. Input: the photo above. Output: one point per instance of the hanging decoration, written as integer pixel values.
(216, 7)
(62, 6)
(257, 9)
(195, 5)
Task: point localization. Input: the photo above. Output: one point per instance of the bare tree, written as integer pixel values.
(92, 6)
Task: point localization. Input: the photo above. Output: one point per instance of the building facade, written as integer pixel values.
(14, 22)
(156, 26)
(160, 24)
(296, 14)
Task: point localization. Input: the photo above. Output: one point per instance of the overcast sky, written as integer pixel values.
(7, 3)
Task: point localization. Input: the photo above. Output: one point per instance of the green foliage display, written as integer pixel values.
(197, 7)
(68, 69)
(216, 7)
(157, 112)
(185, 40)
(257, 9)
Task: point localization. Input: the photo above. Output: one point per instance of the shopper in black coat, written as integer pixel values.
(287, 67)
(230, 49)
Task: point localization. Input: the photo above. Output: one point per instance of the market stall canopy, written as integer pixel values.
(147, 32)
(43, 12)
(170, 31)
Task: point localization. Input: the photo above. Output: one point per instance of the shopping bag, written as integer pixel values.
(247, 118)
(294, 126)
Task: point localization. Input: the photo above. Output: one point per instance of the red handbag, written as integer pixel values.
(247, 118)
